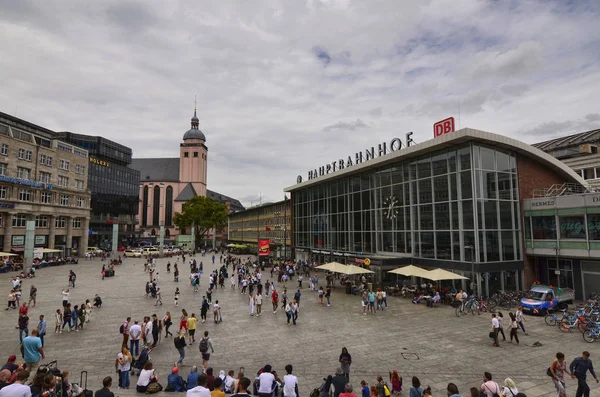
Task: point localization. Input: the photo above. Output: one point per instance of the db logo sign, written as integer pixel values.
(443, 127)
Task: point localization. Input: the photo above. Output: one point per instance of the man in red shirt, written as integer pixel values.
(275, 300)
(347, 391)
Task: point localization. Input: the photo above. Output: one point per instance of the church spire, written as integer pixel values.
(195, 119)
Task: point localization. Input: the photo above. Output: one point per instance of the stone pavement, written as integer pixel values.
(432, 344)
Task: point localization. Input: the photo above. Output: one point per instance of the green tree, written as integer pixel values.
(202, 212)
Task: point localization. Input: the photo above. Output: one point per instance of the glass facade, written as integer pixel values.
(439, 206)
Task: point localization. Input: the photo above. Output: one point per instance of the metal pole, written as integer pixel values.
(284, 227)
(556, 249)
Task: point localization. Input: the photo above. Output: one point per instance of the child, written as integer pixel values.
(366, 392)
(176, 296)
(396, 381)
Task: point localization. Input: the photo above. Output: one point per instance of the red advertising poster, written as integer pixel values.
(263, 247)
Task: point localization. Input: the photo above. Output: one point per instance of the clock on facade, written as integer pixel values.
(389, 207)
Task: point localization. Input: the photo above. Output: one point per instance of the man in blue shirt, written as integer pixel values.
(42, 329)
(579, 368)
(33, 351)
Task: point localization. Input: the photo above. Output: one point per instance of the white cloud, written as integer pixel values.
(272, 76)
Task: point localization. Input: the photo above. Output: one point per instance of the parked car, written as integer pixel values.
(541, 298)
(121, 248)
(132, 253)
(94, 250)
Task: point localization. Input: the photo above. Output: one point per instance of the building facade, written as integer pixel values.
(452, 202)
(114, 186)
(167, 183)
(43, 180)
(270, 221)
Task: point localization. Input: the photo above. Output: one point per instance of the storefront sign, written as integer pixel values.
(24, 182)
(576, 227)
(7, 205)
(321, 252)
(543, 204)
(443, 127)
(40, 240)
(18, 241)
(99, 162)
(263, 247)
(369, 154)
(365, 261)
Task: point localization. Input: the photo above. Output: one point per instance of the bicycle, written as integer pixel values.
(592, 334)
(552, 318)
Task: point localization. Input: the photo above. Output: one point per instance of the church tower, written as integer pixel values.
(193, 158)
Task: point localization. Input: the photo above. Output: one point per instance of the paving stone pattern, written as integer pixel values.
(432, 344)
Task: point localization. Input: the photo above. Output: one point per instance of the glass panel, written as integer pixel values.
(464, 155)
(467, 214)
(355, 184)
(451, 161)
(454, 213)
(396, 173)
(366, 199)
(387, 243)
(481, 247)
(384, 178)
(365, 181)
(424, 167)
(504, 188)
(488, 184)
(469, 246)
(439, 164)
(491, 214)
(443, 245)
(493, 246)
(398, 194)
(400, 244)
(427, 247)
(544, 227)
(572, 226)
(527, 221)
(442, 217)
(425, 195)
(440, 188)
(480, 216)
(413, 171)
(593, 226)
(506, 215)
(456, 246)
(502, 161)
(453, 189)
(426, 217)
(488, 160)
(465, 185)
(508, 252)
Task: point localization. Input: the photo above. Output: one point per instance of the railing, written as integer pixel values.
(561, 190)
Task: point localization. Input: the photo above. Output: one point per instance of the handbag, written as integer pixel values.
(492, 335)
(153, 387)
(549, 372)
(386, 391)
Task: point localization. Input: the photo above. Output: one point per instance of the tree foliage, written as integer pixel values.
(203, 213)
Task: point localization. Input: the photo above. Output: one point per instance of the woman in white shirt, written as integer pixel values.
(510, 388)
(146, 376)
(123, 367)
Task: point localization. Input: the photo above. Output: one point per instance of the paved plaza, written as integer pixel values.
(432, 344)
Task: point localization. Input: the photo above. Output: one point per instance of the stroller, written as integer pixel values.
(138, 364)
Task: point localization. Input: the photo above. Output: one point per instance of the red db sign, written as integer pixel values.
(443, 127)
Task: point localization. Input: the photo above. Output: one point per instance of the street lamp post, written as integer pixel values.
(284, 226)
(473, 277)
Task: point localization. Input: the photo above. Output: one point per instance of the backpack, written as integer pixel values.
(122, 328)
(315, 393)
(495, 394)
(203, 345)
(153, 387)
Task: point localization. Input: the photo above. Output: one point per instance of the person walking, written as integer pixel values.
(290, 383)
(274, 300)
(258, 302)
(579, 368)
(500, 317)
(125, 331)
(203, 346)
(177, 298)
(520, 318)
(513, 325)
(557, 369)
(158, 298)
(180, 345)
(23, 326)
(59, 319)
(204, 308)
(328, 295)
(345, 361)
(32, 295)
(155, 330)
(191, 323)
(183, 321)
(494, 333)
(294, 308)
(251, 302)
(167, 321)
(42, 329)
(33, 351)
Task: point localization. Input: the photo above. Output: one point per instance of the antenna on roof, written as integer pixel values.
(194, 103)
(459, 126)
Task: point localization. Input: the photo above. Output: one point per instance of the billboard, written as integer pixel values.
(263, 247)
(443, 127)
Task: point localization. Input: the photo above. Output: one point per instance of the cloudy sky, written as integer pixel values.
(284, 86)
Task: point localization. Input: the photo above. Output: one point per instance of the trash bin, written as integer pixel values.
(370, 286)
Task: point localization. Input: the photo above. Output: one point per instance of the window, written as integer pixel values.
(4, 150)
(80, 202)
(60, 222)
(42, 159)
(24, 195)
(572, 227)
(195, 154)
(64, 200)
(46, 198)
(28, 155)
(49, 161)
(186, 154)
(19, 220)
(41, 221)
(63, 181)
(3, 192)
(21, 154)
(64, 164)
(64, 147)
(80, 153)
(79, 169)
(44, 177)
(76, 223)
(2, 169)
(23, 173)
(544, 227)
(79, 184)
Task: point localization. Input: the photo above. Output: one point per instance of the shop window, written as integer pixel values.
(572, 227)
(544, 227)
(527, 221)
(19, 220)
(593, 226)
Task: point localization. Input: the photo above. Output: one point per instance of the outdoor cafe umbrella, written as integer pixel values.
(7, 254)
(441, 274)
(46, 250)
(337, 267)
(411, 271)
